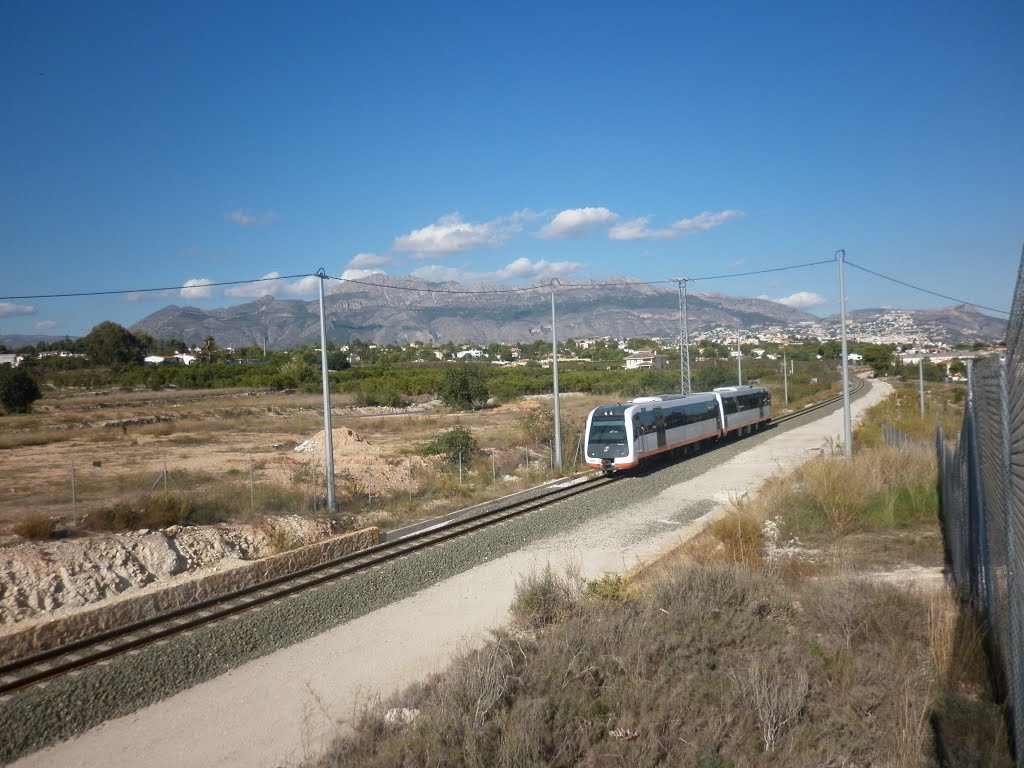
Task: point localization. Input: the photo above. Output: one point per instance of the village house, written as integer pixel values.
(645, 358)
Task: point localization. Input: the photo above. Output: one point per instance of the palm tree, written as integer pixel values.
(209, 344)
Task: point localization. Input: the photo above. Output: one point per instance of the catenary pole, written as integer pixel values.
(684, 339)
(328, 433)
(847, 429)
(557, 455)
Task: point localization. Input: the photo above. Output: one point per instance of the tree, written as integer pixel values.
(462, 385)
(113, 345)
(18, 390)
(209, 346)
(878, 356)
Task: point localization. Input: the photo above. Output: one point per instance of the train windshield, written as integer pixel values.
(608, 430)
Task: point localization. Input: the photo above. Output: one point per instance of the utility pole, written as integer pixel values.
(785, 378)
(847, 427)
(684, 339)
(557, 454)
(920, 380)
(739, 360)
(328, 433)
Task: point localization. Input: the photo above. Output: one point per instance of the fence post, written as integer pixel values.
(252, 488)
(1014, 590)
(74, 496)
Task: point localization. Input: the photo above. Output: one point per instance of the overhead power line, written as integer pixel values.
(486, 291)
(925, 290)
(122, 292)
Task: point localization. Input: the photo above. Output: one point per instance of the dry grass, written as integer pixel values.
(720, 656)
(35, 527)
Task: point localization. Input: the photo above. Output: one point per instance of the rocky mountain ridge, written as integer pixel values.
(399, 310)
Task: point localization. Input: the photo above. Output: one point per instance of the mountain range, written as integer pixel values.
(404, 309)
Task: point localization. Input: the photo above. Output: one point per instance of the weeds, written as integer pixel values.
(36, 527)
(545, 597)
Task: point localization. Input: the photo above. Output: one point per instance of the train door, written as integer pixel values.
(659, 424)
(647, 430)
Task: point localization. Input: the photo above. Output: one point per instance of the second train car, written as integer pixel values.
(625, 435)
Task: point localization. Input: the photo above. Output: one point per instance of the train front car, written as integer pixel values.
(609, 444)
(626, 435)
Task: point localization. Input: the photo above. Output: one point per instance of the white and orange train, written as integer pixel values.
(624, 436)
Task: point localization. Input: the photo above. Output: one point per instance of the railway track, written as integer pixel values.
(48, 665)
(857, 386)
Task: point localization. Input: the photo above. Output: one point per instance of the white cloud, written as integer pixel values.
(10, 310)
(303, 287)
(271, 285)
(367, 260)
(46, 325)
(702, 222)
(576, 222)
(802, 300)
(520, 270)
(524, 269)
(197, 288)
(637, 229)
(245, 218)
(451, 234)
(359, 274)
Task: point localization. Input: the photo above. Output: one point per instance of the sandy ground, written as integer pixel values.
(284, 707)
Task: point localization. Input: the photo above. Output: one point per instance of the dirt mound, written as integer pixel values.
(362, 464)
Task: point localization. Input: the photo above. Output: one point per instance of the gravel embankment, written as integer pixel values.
(68, 707)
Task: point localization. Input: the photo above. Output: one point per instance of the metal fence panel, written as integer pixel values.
(982, 506)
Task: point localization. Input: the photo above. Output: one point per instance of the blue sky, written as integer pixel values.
(148, 145)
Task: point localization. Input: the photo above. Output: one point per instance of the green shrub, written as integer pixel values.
(451, 445)
(18, 390)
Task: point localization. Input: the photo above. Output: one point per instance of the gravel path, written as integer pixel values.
(377, 632)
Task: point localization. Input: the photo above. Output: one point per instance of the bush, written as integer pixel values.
(462, 385)
(37, 527)
(18, 390)
(544, 597)
(452, 444)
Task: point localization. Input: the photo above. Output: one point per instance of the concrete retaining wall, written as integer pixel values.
(155, 599)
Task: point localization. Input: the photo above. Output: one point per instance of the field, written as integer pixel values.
(230, 454)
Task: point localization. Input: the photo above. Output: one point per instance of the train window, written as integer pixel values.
(606, 430)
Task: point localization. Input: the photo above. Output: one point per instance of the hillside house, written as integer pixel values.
(12, 360)
(645, 358)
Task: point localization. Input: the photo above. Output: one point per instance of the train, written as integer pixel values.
(626, 435)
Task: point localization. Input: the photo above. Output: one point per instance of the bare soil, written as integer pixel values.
(78, 454)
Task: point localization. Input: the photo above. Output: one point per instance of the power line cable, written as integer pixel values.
(593, 284)
(925, 290)
(522, 289)
(152, 290)
(758, 271)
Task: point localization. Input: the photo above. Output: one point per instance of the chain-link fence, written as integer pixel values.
(982, 487)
